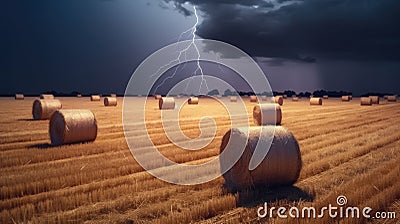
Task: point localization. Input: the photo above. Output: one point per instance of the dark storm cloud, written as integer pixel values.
(333, 29)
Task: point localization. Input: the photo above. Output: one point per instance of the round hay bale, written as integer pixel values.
(392, 98)
(72, 126)
(19, 96)
(110, 101)
(267, 114)
(325, 97)
(279, 100)
(42, 109)
(365, 101)
(47, 96)
(166, 103)
(95, 98)
(253, 99)
(385, 97)
(375, 99)
(193, 100)
(233, 99)
(345, 98)
(157, 97)
(351, 97)
(315, 101)
(281, 165)
(295, 99)
(79, 95)
(113, 95)
(284, 96)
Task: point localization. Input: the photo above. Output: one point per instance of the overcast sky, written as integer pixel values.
(93, 46)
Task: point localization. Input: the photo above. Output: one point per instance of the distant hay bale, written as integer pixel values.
(157, 97)
(315, 101)
(72, 126)
(385, 97)
(281, 166)
(79, 95)
(267, 114)
(42, 109)
(325, 97)
(193, 100)
(392, 98)
(233, 99)
(365, 101)
(110, 101)
(284, 96)
(279, 100)
(166, 103)
(47, 96)
(19, 96)
(253, 98)
(264, 98)
(351, 97)
(295, 99)
(375, 99)
(95, 98)
(113, 95)
(345, 98)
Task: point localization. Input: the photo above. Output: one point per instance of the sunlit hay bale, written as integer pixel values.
(385, 97)
(79, 95)
(279, 100)
(233, 99)
(375, 99)
(193, 100)
(72, 126)
(295, 99)
(284, 96)
(42, 109)
(253, 98)
(325, 97)
(95, 98)
(345, 98)
(281, 166)
(392, 98)
(315, 101)
(19, 96)
(157, 97)
(166, 103)
(47, 96)
(110, 101)
(366, 101)
(267, 114)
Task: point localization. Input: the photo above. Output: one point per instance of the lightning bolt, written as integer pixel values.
(183, 53)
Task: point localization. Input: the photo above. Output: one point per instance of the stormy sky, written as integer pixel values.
(94, 46)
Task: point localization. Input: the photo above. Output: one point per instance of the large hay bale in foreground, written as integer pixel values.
(279, 100)
(47, 96)
(267, 114)
(42, 109)
(345, 98)
(157, 97)
(365, 101)
(110, 101)
(281, 166)
(72, 126)
(193, 100)
(95, 98)
(253, 99)
(315, 101)
(325, 97)
(233, 99)
(392, 98)
(19, 96)
(375, 99)
(166, 103)
(295, 98)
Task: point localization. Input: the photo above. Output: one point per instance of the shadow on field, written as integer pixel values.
(256, 196)
(41, 146)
